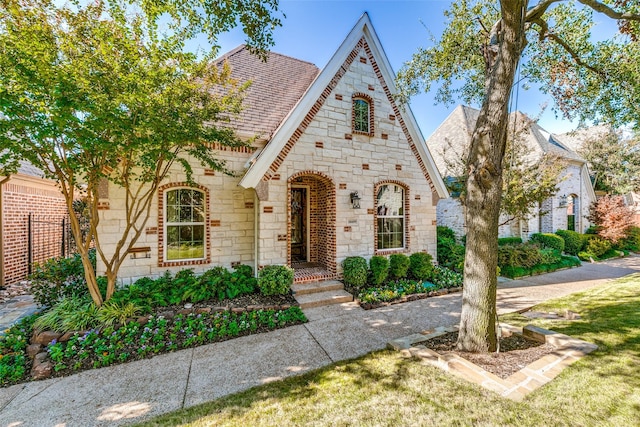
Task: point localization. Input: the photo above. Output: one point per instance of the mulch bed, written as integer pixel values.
(516, 352)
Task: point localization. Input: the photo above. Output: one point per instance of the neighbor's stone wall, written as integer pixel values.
(21, 196)
(230, 223)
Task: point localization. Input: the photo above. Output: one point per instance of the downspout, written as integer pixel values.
(2, 182)
(256, 236)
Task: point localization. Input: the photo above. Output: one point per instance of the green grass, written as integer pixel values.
(382, 388)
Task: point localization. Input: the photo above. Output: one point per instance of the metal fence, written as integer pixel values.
(48, 237)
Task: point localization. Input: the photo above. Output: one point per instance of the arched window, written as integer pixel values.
(390, 217)
(572, 212)
(184, 227)
(362, 114)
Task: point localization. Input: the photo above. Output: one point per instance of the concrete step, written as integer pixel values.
(316, 287)
(320, 299)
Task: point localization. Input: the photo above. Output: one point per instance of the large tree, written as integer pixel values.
(477, 58)
(614, 161)
(106, 92)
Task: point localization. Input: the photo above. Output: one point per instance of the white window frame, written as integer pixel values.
(168, 224)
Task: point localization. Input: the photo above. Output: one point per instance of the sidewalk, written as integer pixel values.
(136, 391)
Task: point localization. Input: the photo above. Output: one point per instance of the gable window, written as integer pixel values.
(362, 114)
(184, 228)
(390, 217)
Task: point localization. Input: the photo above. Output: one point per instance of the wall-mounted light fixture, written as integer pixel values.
(563, 201)
(355, 200)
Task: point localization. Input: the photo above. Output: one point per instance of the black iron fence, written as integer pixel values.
(48, 237)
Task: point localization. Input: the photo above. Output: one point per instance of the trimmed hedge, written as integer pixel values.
(509, 241)
(450, 253)
(515, 272)
(572, 241)
(379, 267)
(421, 266)
(548, 240)
(354, 271)
(398, 266)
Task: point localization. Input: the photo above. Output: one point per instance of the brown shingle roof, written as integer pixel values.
(276, 87)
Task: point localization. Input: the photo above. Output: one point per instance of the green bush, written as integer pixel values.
(354, 271)
(275, 280)
(421, 266)
(14, 362)
(59, 278)
(450, 253)
(445, 278)
(550, 256)
(398, 266)
(548, 240)
(631, 242)
(69, 314)
(379, 267)
(525, 255)
(509, 241)
(572, 241)
(597, 246)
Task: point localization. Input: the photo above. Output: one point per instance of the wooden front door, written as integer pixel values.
(299, 225)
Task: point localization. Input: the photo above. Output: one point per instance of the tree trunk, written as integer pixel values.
(484, 183)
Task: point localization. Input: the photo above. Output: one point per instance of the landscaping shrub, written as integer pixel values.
(612, 216)
(394, 291)
(524, 255)
(631, 242)
(70, 314)
(13, 357)
(509, 241)
(59, 278)
(595, 247)
(354, 271)
(379, 267)
(572, 241)
(450, 253)
(420, 266)
(548, 240)
(549, 256)
(398, 266)
(275, 280)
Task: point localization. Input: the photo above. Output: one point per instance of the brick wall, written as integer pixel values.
(22, 196)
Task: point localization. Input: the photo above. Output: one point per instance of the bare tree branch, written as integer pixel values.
(603, 8)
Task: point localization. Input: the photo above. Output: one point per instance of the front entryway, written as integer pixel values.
(312, 238)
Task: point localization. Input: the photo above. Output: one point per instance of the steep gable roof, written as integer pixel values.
(277, 84)
(361, 36)
(456, 130)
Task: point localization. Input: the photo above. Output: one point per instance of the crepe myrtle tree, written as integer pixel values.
(476, 60)
(101, 92)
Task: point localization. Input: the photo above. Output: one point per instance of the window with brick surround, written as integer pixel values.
(184, 227)
(362, 114)
(390, 217)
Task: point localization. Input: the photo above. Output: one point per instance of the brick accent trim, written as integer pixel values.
(397, 114)
(407, 219)
(369, 100)
(313, 111)
(207, 225)
(239, 149)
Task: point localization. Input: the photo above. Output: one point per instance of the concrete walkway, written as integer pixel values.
(136, 391)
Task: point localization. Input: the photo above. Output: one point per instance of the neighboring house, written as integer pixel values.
(24, 195)
(338, 169)
(566, 210)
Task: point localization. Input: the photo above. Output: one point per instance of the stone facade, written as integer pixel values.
(249, 219)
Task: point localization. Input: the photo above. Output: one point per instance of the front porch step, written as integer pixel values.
(319, 299)
(316, 287)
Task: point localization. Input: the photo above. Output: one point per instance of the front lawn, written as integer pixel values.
(382, 388)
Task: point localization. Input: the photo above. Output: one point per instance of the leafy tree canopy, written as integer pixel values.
(97, 91)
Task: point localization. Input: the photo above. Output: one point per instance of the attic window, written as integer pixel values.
(362, 114)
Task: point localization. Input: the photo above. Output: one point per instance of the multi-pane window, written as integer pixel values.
(390, 216)
(361, 111)
(185, 224)
(572, 212)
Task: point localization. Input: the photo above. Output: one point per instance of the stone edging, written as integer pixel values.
(518, 385)
(407, 298)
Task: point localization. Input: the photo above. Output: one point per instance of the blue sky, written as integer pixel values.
(314, 29)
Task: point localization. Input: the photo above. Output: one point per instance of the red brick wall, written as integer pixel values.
(19, 200)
